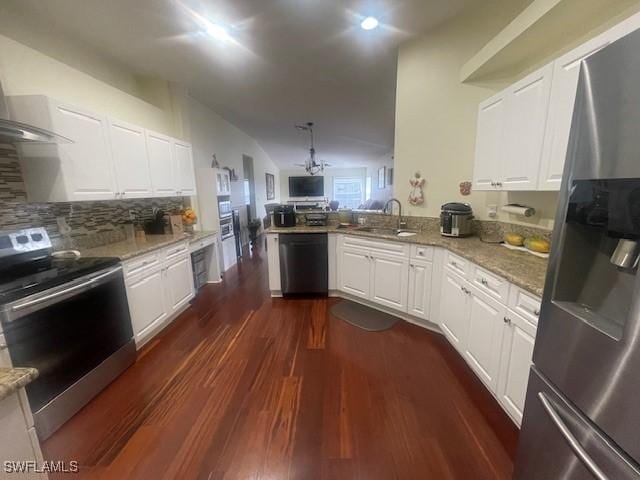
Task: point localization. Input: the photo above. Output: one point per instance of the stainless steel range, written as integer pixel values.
(581, 417)
(66, 317)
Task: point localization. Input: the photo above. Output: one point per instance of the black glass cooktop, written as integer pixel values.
(24, 279)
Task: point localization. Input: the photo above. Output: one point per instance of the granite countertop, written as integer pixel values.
(520, 268)
(132, 248)
(13, 379)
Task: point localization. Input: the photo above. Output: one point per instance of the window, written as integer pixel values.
(348, 191)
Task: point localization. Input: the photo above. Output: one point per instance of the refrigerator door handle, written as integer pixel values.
(571, 440)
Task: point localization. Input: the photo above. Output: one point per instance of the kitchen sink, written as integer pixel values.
(403, 232)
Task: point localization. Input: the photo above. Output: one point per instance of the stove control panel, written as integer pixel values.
(14, 242)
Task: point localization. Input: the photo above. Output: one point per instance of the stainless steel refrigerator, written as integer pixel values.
(582, 411)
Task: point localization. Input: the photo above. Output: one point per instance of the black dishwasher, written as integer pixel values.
(304, 264)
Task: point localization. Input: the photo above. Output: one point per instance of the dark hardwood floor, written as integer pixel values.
(242, 386)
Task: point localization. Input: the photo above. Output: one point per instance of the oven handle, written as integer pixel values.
(571, 440)
(55, 297)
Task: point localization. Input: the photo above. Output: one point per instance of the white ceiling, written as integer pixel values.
(290, 61)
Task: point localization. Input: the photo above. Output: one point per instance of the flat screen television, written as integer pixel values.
(306, 186)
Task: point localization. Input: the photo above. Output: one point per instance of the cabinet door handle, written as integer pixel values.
(507, 320)
(454, 263)
(483, 281)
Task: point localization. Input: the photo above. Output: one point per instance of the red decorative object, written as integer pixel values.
(465, 188)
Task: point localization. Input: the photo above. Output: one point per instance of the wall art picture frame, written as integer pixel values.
(270, 184)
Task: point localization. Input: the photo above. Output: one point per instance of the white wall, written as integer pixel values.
(329, 175)
(25, 71)
(211, 134)
(385, 193)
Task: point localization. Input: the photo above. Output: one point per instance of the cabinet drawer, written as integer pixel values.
(175, 251)
(200, 244)
(456, 264)
(421, 252)
(392, 248)
(525, 304)
(489, 283)
(140, 264)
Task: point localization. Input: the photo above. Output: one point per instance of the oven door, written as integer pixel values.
(67, 331)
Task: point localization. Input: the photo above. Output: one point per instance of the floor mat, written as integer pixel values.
(363, 317)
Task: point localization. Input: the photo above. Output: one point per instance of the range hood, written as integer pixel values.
(16, 132)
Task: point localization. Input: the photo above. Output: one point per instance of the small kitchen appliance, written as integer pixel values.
(316, 219)
(284, 216)
(456, 220)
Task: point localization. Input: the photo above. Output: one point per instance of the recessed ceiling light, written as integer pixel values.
(369, 23)
(218, 32)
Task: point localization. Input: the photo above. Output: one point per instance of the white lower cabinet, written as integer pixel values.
(273, 261)
(18, 442)
(179, 283)
(484, 340)
(389, 280)
(420, 281)
(495, 341)
(454, 309)
(158, 292)
(146, 302)
(517, 353)
(355, 272)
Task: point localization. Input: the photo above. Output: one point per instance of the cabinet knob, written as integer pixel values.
(507, 320)
(536, 312)
(498, 184)
(483, 281)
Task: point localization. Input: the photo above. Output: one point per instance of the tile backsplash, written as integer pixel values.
(88, 220)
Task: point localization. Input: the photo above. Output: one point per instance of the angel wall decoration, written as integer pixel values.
(416, 196)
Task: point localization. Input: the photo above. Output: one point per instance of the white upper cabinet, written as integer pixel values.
(108, 159)
(76, 171)
(489, 143)
(183, 158)
(223, 182)
(526, 116)
(161, 162)
(566, 71)
(130, 160)
(523, 132)
(510, 134)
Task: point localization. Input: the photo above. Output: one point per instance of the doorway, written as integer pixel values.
(249, 191)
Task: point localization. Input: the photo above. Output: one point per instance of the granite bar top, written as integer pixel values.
(13, 379)
(520, 268)
(132, 248)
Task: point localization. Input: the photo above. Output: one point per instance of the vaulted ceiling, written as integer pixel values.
(283, 62)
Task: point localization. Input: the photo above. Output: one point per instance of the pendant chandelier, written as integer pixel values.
(311, 166)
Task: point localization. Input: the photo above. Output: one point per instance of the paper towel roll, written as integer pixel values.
(516, 209)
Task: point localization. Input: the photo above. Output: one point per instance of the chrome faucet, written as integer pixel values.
(401, 224)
